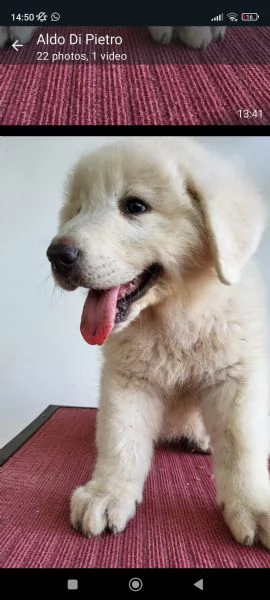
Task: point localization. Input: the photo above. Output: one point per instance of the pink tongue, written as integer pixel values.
(98, 316)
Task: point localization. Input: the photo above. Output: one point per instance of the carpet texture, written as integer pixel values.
(177, 525)
(175, 90)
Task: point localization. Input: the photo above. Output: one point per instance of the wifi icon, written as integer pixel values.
(232, 16)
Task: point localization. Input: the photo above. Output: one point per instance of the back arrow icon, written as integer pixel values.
(199, 584)
(16, 45)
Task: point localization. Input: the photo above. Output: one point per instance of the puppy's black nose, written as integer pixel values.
(62, 256)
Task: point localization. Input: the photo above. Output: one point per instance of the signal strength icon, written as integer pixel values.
(218, 17)
(232, 16)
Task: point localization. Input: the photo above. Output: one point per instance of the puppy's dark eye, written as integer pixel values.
(134, 206)
(78, 210)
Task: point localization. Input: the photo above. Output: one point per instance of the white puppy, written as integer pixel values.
(195, 37)
(160, 231)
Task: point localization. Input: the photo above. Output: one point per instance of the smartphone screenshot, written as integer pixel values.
(134, 305)
(57, 73)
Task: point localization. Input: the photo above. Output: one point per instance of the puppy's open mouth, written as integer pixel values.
(105, 308)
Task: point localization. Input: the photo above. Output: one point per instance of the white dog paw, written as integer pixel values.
(23, 34)
(203, 445)
(11, 34)
(4, 36)
(95, 507)
(199, 37)
(249, 522)
(218, 33)
(163, 35)
(195, 444)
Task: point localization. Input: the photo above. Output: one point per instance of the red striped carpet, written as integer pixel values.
(177, 525)
(174, 90)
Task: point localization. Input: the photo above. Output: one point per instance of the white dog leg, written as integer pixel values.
(128, 422)
(4, 36)
(199, 37)
(218, 32)
(184, 420)
(23, 34)
(236, 416)
(163, 35)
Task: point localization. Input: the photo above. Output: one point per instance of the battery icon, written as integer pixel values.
(250, 17)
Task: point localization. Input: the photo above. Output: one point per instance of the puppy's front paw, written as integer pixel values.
(218, 33)
(23, 34)
(4, 36)
(163, 35)
(201, 445)
(8, 35)
(199, 37)
(249, 518)
(97, 506)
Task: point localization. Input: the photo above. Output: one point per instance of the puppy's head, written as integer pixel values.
(142, 215)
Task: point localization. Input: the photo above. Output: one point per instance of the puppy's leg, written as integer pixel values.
(23, 34)
(128, 423)
(183, 422)
(163, 35)
(194, 435)
(218, 32)
(4, 36)
(199, 37)
(236, 417)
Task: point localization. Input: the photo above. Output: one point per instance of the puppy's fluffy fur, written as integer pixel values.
(189, 359)
(195, 37)
(11, 34)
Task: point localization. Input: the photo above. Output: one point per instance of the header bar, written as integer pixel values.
(121, 14)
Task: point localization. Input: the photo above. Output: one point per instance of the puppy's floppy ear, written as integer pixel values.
(232, 210)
